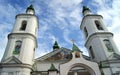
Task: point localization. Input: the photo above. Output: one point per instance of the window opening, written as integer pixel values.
(23, 26)
(98, 25)
(91, 52)
(85, 31)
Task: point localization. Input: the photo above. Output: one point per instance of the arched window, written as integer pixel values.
(77, 55)
(108, 45)
(91, 52)
(98, 25)
(85, 31)
(17, 48)
(23, 26)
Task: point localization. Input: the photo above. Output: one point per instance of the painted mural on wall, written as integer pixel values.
(62, 55)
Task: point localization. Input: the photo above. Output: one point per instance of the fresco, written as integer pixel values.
(62, 55)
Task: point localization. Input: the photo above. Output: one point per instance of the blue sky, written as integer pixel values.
(59, 20)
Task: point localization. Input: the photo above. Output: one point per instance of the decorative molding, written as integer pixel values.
(97, 34)
(88, 16)
(10, 65)
(24, 35)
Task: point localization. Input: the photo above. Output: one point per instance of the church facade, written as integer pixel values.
(18, 58)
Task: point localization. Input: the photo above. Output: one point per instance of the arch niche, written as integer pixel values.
(80, 69)
(90, 67)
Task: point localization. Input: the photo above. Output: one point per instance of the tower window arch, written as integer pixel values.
(23, 25)
(17, 48)
(108, 45)
(86, 32)
(98, 25)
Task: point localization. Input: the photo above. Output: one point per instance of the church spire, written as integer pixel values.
(75, 48)
(30, 10)
(76, 52)
(52, 68)
(55, 46)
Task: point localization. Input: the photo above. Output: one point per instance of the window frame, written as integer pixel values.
(17, 47)
(108, 45)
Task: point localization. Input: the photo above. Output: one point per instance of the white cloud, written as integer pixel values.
(8, 12)
(66, 36)
(42, 49)
(65, 3)
(4, 30)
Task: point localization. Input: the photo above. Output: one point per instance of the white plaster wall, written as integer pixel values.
(87, 12)
(30, 11)
(44, 66)
(115, 67)
(52, 72)
(15, 71)
(27, 51)
(9, 49)
(32, 24)
(107, 71)
(98, 49)
(89, 23)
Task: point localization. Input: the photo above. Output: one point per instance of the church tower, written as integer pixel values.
(99, 41)
(20, 49)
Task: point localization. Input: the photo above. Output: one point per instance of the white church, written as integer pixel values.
(18, 58)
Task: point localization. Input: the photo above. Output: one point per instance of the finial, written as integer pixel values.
(86, 11)
(85, 8)
(56, 46)
(28, 10)
(52, 68)
(30, 7)
(75, 48)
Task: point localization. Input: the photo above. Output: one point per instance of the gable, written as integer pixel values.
(61, 54)
(13, 60)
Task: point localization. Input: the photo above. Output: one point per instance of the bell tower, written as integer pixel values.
(22, 43)
(99, 41)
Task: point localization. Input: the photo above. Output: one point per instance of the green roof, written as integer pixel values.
(85, 8)
(56, 46)
(52, 68)
(31, 7)
(75, 48)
